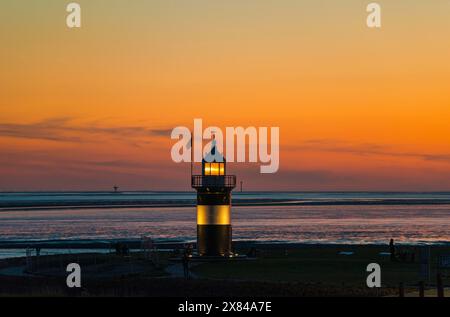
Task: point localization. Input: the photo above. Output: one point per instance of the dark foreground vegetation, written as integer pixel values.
(174, 287)
(275, 271)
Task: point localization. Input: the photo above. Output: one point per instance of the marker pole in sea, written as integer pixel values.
(214, 186)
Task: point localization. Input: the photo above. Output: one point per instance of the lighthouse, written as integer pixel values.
(214, 188)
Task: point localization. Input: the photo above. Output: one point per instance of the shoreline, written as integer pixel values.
(236, 203)
(136, 244)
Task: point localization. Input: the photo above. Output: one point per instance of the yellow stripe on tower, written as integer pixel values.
(213, 215)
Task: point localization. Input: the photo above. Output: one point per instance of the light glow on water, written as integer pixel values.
(304, 224)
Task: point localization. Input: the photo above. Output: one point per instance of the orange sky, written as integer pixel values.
(358, 109)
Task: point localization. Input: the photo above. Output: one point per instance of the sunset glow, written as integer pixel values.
(358, 109)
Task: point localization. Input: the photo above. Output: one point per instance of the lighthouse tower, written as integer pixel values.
(214, 188)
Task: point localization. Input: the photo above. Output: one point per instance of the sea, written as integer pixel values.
(269, 217)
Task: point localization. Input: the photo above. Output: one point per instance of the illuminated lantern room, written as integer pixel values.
(216, 167)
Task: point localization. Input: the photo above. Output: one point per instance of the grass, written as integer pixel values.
(300, 271)
(319, 265)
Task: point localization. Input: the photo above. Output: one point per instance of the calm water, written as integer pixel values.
(417, 223)
(177, 198)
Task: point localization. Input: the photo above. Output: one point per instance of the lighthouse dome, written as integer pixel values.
(214, 155)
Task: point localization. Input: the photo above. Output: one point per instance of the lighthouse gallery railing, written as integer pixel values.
(228, 181)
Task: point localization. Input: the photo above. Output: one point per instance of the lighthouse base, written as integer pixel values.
(214, 240)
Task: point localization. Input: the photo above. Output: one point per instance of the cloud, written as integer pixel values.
(297, 179)
(49, 161)
(119, 163)
(364, 149)
(45, 130)
(162, 132)
(65, 130)
(309, 176)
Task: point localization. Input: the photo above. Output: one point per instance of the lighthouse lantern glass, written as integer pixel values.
(207, 170)
(214, 169)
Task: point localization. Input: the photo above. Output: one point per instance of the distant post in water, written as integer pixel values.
(214, 188)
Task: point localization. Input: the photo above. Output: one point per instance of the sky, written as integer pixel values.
(358, 109)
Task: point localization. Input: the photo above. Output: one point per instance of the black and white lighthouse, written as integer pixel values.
(214, 188)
